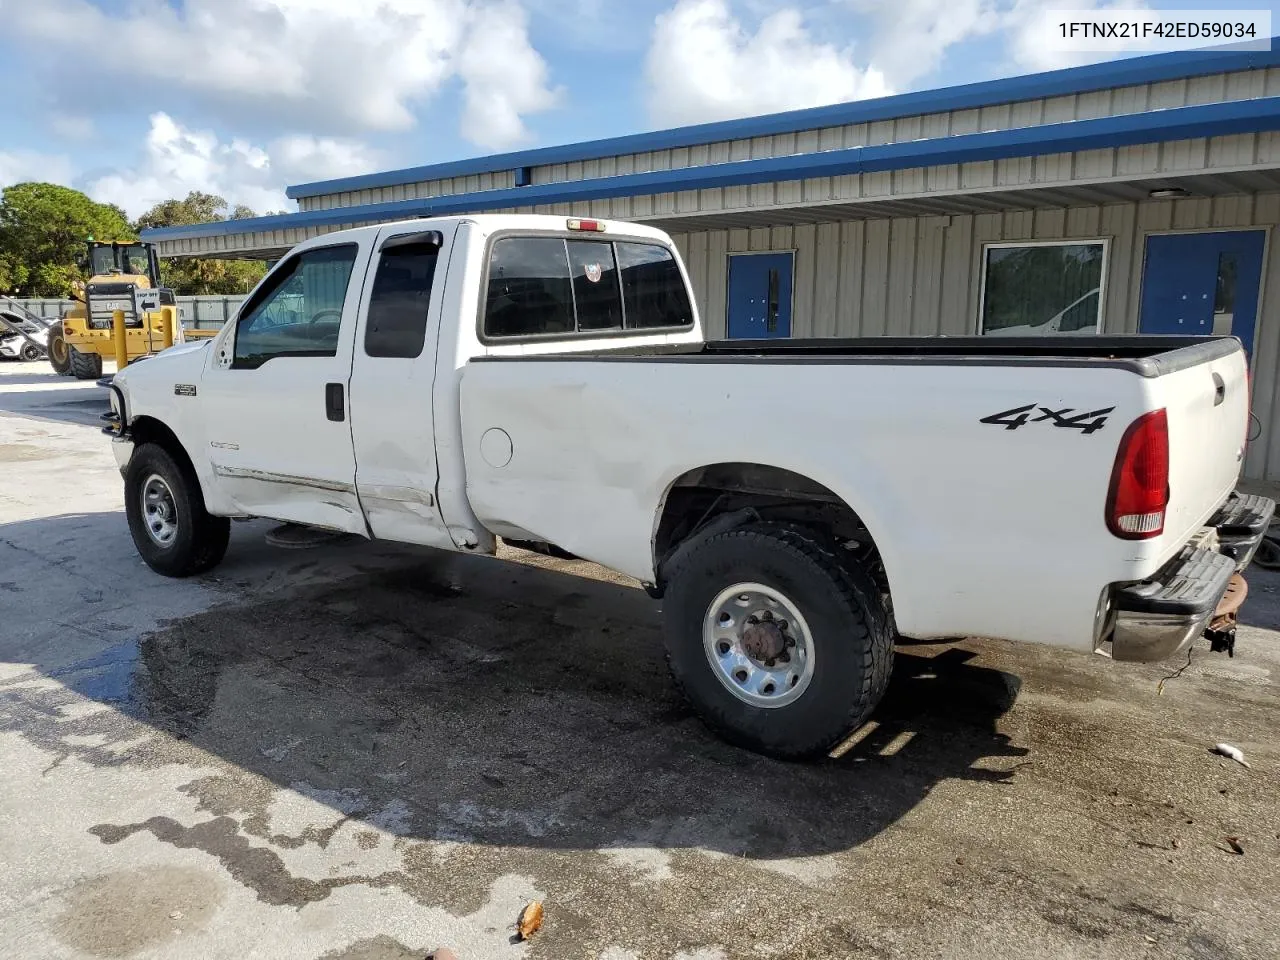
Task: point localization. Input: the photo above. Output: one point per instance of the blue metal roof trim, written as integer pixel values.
(1117, 73)
(1179, 123)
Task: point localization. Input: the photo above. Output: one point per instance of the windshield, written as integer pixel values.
(127, 258)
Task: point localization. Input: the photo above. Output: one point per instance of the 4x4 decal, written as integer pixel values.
(1086, 422)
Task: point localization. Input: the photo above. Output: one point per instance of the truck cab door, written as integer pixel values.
(392, 378)
(274, 396)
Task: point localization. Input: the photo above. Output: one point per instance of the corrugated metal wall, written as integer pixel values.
(1141, 98)
(921, 276)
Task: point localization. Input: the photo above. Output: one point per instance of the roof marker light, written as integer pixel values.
(595, 226)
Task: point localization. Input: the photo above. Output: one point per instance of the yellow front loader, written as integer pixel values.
(116, 271)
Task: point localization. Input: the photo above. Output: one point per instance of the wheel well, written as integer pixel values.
(145, 429)
(727, 495)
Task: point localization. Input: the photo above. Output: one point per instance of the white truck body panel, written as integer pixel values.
(984, 529)
(962, 510)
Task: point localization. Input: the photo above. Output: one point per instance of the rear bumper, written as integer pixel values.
(1161, 617)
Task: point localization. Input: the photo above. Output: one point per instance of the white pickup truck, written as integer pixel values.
(796, 504)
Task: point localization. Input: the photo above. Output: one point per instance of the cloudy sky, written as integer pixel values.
(135, 101)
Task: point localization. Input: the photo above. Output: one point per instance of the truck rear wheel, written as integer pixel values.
(59, 352)
(173, 532)
(781, 645)
(84, 366)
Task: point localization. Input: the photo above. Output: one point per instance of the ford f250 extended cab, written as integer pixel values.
(796, 504)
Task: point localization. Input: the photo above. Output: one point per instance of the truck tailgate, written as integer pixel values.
(1208, 409)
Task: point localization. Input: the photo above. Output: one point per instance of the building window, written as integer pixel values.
(1041, 289)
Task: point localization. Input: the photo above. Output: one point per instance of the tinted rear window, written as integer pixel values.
(653, 291)
(544, 285)
(595, 285)
(529, 289)
(397, 324)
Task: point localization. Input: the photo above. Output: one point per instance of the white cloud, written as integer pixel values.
(325, 65)
(305, 158)
(19, 166)
(704, 65)
(178, 160)
(504, 78)
(1031, 25)
(910, 37)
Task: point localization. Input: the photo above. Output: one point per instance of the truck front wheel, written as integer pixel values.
(782, 645)
(173, 532)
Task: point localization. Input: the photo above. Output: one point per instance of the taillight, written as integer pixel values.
(1140, 481)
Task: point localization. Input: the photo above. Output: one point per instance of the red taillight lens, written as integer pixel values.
(1140, 481)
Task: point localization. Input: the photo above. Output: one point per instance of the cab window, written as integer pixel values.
(542, 286)
(397, 321)
(299, 313)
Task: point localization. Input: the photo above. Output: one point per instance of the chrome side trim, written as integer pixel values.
(265, 476)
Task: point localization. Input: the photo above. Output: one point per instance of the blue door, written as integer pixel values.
(1203, 283)
(759, 295)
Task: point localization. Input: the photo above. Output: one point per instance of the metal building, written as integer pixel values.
(1134, 196)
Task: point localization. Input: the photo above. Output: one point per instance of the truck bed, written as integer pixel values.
(1146, 355)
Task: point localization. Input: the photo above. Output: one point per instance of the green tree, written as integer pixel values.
(199, 276)
(43, 229)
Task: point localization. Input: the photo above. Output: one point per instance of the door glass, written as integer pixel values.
(299, 313)
(397, 322)
(1224, 297)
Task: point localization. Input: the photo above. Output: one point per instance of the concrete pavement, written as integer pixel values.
(363, 751)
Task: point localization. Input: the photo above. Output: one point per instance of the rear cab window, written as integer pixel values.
(561, 287)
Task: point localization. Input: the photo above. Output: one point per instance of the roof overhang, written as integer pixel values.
(1199, 122)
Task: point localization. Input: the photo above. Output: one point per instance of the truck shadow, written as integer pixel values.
(465, 699)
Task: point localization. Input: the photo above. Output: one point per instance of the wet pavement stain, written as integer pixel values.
(120, 914)
(376, 948)
(258, 868)
(15, 452)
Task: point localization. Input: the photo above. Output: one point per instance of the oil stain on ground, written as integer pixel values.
(120, 914)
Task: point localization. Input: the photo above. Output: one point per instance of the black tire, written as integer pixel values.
(851, 636)
(59, 352)
(200, 541)
(85, 366)
(30, 352)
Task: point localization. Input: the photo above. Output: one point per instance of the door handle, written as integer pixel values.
(334, 407)
(1219, 390)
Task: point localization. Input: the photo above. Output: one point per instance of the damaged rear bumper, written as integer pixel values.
(1161, 617)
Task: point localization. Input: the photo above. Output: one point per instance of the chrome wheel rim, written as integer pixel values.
(758, 644)
(159, 513)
